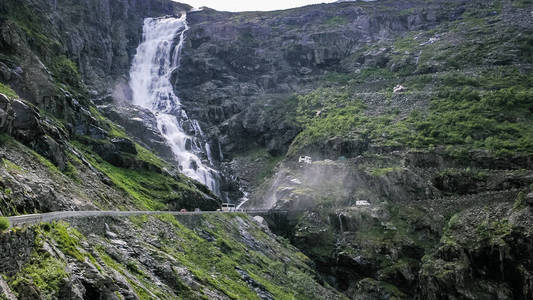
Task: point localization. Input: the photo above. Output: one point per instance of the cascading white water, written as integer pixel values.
(157, 57)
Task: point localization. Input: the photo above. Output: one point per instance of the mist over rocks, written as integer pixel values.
(419, 192)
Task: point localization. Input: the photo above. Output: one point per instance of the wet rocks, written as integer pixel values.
(140, 124)
(25, 116)
(481, 255)
(25, 123)
(261, 291)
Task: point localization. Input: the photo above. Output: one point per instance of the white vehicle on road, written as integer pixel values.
(228, 207)
(305, 159)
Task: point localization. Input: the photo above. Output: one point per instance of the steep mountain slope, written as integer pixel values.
(214, 257)
(243, 67)
(421, 108)
(58, 152)
(416, 113)
(59, 64)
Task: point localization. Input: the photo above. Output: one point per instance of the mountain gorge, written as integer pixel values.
(416, 116)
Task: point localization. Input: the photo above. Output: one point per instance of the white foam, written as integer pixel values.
(150, 80)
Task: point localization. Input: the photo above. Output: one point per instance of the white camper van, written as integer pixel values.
(228, 207)
(305, 159)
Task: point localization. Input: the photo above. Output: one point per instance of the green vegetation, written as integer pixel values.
(263, 161)
(7, 206)
(480, 175)
(326, 113)
(473, 71)
(520, 201)
(4, 224)
(337, 20)
(498, 121)
(140, 220)
(44, 272)
(72, 172)
(113, 130)
(149, 157)
(217, 262)
(6, 90)
(144, 288)
(363, 76)
(42, 160)
(27, 19)
(522, 3)
(494, 231)
(5, 139)
(382, 171)
(464, 119)
(66, 71)
(11, 166)
(149, 190)
(489, 231)
(67, 238)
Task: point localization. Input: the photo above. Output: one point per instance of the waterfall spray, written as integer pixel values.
(158, 56)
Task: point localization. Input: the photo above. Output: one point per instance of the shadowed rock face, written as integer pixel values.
(238, 69)
(141, 124)
(57, 58)
(237, 75)
(99, 36)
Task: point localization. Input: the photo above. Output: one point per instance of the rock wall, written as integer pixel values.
(99, 36)
(15, 250)
(238, 70)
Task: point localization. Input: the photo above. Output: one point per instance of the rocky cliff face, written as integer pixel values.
(59, 152)
(63, 56)
(58, 58)
(358, 86)
(239, 70)
(99, 37)
(417, 116)
(218, 257)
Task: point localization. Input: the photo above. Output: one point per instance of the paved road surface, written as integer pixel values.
(60, 215)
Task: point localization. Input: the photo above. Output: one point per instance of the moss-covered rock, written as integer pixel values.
(481, 254)
(213, 256)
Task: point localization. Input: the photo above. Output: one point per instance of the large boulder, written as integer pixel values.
(6, 114)
(26, 127)
(529, 199)
(124, 145)
(51, 149)
(25, 116)
(140, 124)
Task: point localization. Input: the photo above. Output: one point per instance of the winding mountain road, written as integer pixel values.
(61, 215)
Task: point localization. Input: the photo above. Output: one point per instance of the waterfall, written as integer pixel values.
(244, 198)
(150, 80)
